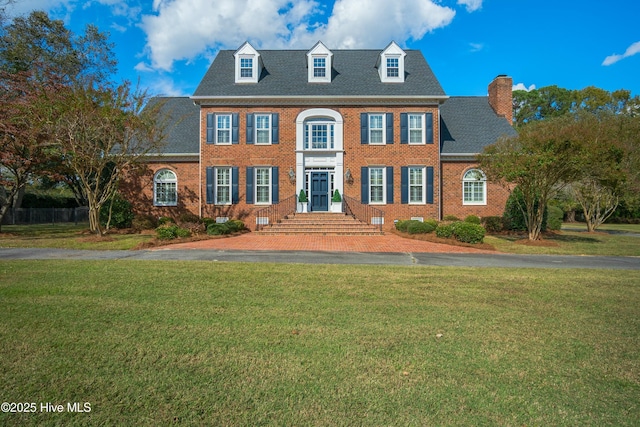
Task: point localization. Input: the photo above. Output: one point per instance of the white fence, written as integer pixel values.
(45, 215)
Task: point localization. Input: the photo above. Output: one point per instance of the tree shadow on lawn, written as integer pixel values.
(548, 239)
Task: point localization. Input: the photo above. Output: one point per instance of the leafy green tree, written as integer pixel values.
(540, 161)
(101, 132)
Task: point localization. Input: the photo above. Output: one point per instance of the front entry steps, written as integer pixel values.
(321, 224)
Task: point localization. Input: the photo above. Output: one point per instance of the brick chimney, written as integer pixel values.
(500, 97)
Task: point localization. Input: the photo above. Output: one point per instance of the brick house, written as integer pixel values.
(373, 124)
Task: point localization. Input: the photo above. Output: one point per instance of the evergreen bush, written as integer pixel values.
(472, 219)
(492, 224)
(468, 233)
(417, 227)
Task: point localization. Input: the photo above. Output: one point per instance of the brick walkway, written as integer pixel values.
(386, 243)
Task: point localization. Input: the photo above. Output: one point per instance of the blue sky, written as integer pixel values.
(169, 44)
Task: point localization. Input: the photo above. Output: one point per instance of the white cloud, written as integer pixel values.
(521, 86)
(476, 47)
(187, 29)
(472, 5)
(631, 50)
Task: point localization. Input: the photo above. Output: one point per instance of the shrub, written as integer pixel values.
(144, 222)
(417, 227)
(472, 219)
(218, 229)
(433, 222)
(451, 218)
(444, 231)
(493, 224)
(402, 224)
(121, 213)
(554, 217)
(302, 198)
(183, 232)
(208, 221)
(336, 196)
(189, 217)
(193, 227)
(468, 233)
(514, 217)
(165, 220)
(167, 232)
(235, 225)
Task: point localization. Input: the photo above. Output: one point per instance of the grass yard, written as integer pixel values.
(66, 236)
(204, 343)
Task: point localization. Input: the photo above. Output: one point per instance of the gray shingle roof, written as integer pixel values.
(468, 124)
(353, 74)
(181, 118)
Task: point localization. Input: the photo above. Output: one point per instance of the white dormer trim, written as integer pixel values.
(319, 64)
(248, 64)
(391, 64)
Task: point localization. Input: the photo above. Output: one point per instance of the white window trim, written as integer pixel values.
(247, 51)
(423, 184)
(317, 52)
(229, 130)
(270, 185)
(423, 133)
(384, 185)
(483, 181)
(383, 129)
(216, 185)
(156, 181)
(331, 136)
(392, 51)
(255, 128)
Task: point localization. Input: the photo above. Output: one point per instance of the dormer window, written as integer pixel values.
(319, 64)
(247, 64)
(391, 64)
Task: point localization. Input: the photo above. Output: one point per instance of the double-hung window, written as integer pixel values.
(223, 186)
(263, 185)
(474, 187)
(416, 185)
(376, 128)
(246, 68)
(223, 128)
(377, 185)
(165, 188)
(416, 128)
(393, 67)
(263, 128)
(319, 67)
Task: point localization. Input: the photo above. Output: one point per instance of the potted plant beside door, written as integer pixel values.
(336, 202)
(302, 202)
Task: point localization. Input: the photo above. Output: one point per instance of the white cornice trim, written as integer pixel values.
(318, 100)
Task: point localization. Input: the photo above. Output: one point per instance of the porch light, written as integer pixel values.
(348, 177)
(292, 175)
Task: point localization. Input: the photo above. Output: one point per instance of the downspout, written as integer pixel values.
(199, 161)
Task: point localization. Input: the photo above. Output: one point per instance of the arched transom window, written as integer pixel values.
(474, 187)
(165, 188)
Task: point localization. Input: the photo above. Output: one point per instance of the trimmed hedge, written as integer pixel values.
(417, 227)
(444, 231)
(492, 224)
(472, 219)
(170, 232)
(468, 233)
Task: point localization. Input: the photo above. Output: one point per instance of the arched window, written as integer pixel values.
(165, 188)
(474, 187)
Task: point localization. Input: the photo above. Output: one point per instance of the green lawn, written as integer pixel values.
(65, 236)
(205, 343)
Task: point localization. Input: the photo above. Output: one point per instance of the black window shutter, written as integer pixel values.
(389, 184)
(249, 195)
(211, 128)
(389, 128)
(364, 185)
(249, 128)
(234, 185)
(234, 128)
(364, 128)
(404, 185)
(429, 127)
(404, 128)
(430, 185)
(275, 132)
(210, 176)
(275, 185)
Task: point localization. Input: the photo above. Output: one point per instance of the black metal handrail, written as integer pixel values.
(363, 212)
(274, 213)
